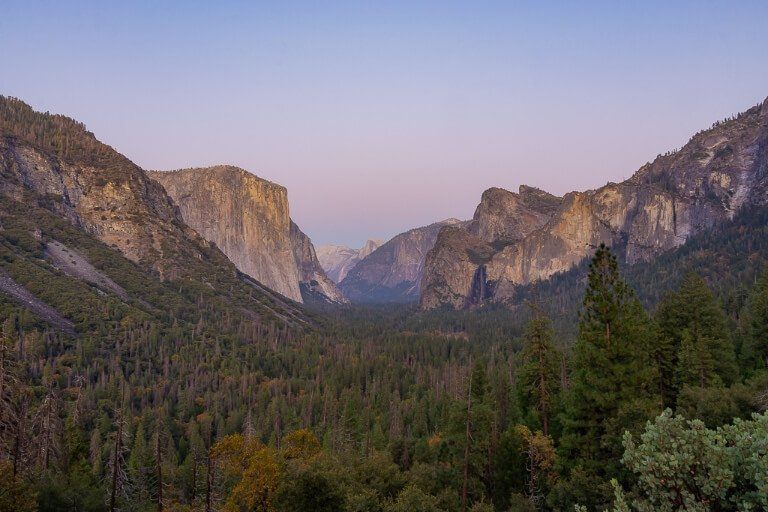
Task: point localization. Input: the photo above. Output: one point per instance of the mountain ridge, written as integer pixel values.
(392, 272)
(54, 170)
(678, 194)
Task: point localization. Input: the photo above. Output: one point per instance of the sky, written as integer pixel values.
(383, 116)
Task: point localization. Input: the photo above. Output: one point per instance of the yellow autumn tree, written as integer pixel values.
(300, 444)
(254, 470)
(540, 452)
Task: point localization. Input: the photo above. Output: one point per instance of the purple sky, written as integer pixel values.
(382, 118)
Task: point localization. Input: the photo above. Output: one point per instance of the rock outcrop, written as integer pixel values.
(338, 260)
(521, 238)
(248, 219)
(503, 217)
(94, 187)
(393, 272)
(314, 284)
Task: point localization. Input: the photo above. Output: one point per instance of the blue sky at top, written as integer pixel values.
(381, 116)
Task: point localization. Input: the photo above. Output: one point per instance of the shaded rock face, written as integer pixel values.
(314, 284)
(59, 171)
(530, 236)
(248, 219)
(393, 272)
(338, 260)
(451, 268)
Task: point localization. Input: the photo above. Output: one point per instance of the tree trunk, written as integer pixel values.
(159, 460)
(466, 446)
(115, 464)
(208, 478)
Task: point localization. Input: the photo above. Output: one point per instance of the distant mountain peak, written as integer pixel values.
(338, 260)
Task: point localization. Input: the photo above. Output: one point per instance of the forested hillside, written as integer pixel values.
(140, 410)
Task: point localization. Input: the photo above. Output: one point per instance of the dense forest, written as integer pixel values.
(621, 388)
(640, 408)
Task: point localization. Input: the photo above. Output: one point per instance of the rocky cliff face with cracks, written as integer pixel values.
(248, 219)
(95, 188)
(518, 239)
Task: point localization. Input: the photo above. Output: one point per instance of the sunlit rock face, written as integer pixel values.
(248, 218)
(529, 236)
(108, 196)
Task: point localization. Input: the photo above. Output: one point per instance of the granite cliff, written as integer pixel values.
(516, 239)
(248, 219)
(94, 187)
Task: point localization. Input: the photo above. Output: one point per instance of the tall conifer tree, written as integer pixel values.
(758, 319)
(539, 376)
(613, 383)
(693, 331)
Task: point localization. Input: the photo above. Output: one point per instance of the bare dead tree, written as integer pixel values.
(79, 382)
(159, 468)
(48, 429)
(116, 467)
(20, 439)
(208, 483)
(8, 400)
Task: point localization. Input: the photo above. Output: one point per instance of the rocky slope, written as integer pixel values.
(248, 219)
(393, 271)
(82, 208)
(513, 241)
(338, 260)
(94, 187)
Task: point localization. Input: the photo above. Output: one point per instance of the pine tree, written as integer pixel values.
(612, 388)
(469, 434)
(664, 349)
(693, 331)
(140, 466)
(696, 365)
(758, 319)
(538, 378)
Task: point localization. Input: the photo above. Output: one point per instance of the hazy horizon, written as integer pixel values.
(378, 118)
